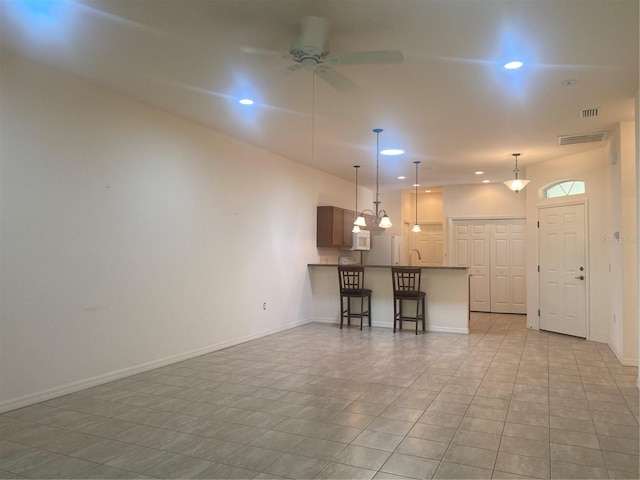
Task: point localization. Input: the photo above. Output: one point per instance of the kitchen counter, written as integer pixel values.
(447, 290)
(389, 266)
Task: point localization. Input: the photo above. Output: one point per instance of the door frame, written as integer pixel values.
(587, 257)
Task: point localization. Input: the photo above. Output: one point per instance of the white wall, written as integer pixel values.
(590, 167)
(623, 257)
(132, 238)
(492, 200)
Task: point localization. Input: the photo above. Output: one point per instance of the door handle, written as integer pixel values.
(581, 277)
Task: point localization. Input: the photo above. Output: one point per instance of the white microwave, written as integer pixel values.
(361, 240)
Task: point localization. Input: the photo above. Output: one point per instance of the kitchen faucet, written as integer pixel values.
(418, 252)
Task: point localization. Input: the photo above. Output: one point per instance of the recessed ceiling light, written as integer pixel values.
(569, 83)
(416, 184)
(513, 65)
(246, 101)
(486, 181)
(401, 177)
(392, 151)
(427, 191)
(479, 173)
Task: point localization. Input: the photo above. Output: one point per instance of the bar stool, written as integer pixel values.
(352, 286)
(406, 286)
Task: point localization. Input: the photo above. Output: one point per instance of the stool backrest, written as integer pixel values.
(351, 277)
(406, 279)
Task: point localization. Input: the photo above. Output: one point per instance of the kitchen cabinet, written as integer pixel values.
(334, 227)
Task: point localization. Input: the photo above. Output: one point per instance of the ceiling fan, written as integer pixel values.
(311, 50)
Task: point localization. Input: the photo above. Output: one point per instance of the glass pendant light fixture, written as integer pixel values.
(416, 227)
(380, 216)
(516, 184)
(356, 227)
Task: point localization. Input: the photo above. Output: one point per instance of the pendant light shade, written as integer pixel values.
(380, 216)
(416, 227)
(516, 184)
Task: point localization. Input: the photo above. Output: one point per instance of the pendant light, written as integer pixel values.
(380, 216)
(516, 184)
(356, 228)
(416, 227)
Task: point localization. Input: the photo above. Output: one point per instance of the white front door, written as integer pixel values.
(563, 305)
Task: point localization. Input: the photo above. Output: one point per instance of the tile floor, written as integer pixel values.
(318, 402)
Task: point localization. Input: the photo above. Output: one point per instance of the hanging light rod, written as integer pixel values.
(356, 228)
(380, 216)
(416, 227)
(516, 184)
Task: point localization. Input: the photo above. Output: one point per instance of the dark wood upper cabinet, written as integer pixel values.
(334, 227)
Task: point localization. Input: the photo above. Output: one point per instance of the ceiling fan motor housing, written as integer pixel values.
(307, 55)
(312, 47)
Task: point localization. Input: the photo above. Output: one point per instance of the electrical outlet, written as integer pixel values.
(264, 306)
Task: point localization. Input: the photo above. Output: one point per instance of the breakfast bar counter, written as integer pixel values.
(447, 290)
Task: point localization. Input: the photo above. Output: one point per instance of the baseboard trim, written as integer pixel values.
(44, 395)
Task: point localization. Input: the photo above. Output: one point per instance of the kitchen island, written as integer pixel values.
(447, 290)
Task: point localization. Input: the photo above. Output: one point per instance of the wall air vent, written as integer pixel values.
(584, 138)
(589, 112)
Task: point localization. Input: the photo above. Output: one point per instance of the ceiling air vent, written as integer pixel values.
(589, 112)
(584, 138)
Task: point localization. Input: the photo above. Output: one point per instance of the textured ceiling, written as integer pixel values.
(450, 104)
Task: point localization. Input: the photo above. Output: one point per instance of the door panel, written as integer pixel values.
(562, 264)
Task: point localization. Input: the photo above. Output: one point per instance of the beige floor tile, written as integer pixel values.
(524, 446)
(432, 432)
(578, 439)
(621, 461)
(562, 470)
(620, 445)
(317, 448)
(579, 455)
(456, 471)
(296, 466)
(378, 440)
(409, 466)
(340, 471)
(227, 472)
(469, 438)
(281, 406)
(475, 457)
(522, 465)
(422, 448)
(363, 457)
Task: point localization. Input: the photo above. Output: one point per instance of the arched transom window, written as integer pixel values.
(564, 189)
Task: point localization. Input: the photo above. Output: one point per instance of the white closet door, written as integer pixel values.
(508, 270)
(494, 251)
(518, 267)
(479, 267)
(500, 268)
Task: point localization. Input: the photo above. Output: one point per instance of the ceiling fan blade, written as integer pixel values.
(335, 79)
(262, 52)
(354, 58)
